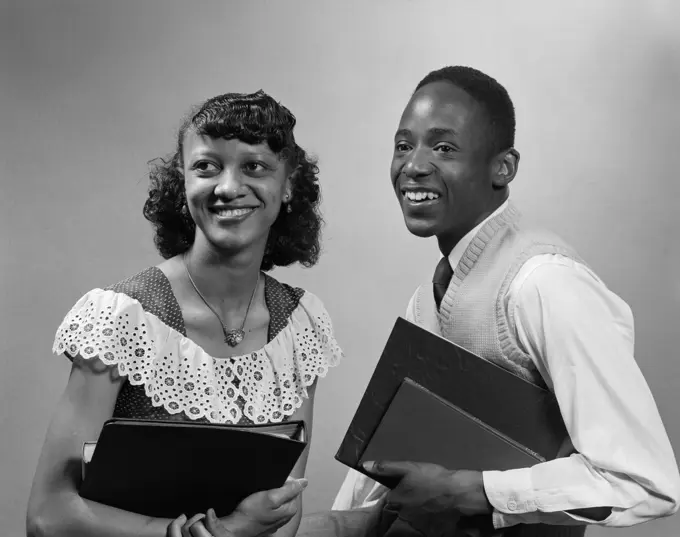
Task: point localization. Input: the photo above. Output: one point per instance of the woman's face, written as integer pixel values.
(234, 190)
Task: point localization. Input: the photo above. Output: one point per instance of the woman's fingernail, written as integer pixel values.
(368, 466)
(303, 483)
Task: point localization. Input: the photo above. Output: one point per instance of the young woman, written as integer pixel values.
(206, 335)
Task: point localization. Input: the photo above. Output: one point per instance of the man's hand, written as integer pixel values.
(429, 491)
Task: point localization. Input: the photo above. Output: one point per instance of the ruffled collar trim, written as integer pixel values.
(180, 376)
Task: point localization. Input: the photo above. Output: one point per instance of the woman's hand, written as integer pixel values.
(181, 527)
(260, 514)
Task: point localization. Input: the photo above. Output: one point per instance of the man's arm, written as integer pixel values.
(580, 336)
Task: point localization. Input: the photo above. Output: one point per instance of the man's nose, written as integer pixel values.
(417, 164)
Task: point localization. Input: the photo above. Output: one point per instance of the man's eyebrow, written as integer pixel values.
(442, 130)
(435, 130)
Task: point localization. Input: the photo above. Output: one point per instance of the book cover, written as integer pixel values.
(167, 468)
(420, 426)
(517, 409)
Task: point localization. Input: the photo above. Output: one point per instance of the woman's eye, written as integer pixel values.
(204, 166)
(254, 166)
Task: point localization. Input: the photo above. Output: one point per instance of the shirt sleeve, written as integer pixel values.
(580, 335)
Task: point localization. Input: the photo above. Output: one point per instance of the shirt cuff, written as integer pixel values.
(515, 501)
(511, 491)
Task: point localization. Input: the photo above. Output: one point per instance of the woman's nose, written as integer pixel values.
(228, 184)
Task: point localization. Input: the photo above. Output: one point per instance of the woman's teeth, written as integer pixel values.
(230, 213)
(420, 196)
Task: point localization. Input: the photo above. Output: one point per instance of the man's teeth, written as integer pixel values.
(227, 213)
(420, 196)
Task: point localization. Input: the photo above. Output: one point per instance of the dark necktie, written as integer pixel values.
(441, 279)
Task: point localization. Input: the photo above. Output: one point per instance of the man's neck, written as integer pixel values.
(447, 242)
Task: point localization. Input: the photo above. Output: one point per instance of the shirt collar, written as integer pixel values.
(459, 249)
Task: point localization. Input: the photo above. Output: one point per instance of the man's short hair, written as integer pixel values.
(489, 94)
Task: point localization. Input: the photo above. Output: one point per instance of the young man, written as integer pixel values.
(525, 300)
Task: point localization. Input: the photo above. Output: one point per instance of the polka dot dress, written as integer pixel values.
(152, 290)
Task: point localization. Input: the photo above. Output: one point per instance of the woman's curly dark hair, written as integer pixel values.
(252, 118)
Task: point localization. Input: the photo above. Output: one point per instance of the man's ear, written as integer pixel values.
(505, 166)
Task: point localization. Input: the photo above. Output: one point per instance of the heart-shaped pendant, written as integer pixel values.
(234, 337)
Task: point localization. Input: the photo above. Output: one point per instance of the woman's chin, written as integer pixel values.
(233, 243)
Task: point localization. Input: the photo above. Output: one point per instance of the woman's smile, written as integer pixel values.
(231, 213)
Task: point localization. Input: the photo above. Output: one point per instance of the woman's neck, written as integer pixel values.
(225, 279)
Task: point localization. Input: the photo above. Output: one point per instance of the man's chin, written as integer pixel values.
(420, 228)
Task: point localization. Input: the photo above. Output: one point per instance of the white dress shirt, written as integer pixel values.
(580, 336)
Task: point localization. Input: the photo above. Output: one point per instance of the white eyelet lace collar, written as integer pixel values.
(180, 376)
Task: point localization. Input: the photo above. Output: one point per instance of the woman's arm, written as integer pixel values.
(55, 508)
(305, 413)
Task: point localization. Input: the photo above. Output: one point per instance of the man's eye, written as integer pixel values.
(444, 148)
(402, 147)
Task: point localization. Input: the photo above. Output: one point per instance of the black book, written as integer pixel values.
(168, 468)
(430, 400)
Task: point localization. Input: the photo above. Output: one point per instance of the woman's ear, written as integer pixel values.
(290, 184)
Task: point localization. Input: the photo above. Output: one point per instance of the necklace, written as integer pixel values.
(231, 337)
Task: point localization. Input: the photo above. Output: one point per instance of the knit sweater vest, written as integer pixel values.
(473, 313)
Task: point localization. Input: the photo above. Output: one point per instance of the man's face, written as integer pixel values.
(441, 167)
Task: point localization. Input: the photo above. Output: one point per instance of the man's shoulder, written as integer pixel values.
(529, 239)
(529, 229)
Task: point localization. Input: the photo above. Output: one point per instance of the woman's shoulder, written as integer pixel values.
(142, 280)
(148, 282)
(286, 302)
(151, 288)
(148, 290)
(282, 300)
(281, 290)
(308, 324)
(289, 297)
(118, 313)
